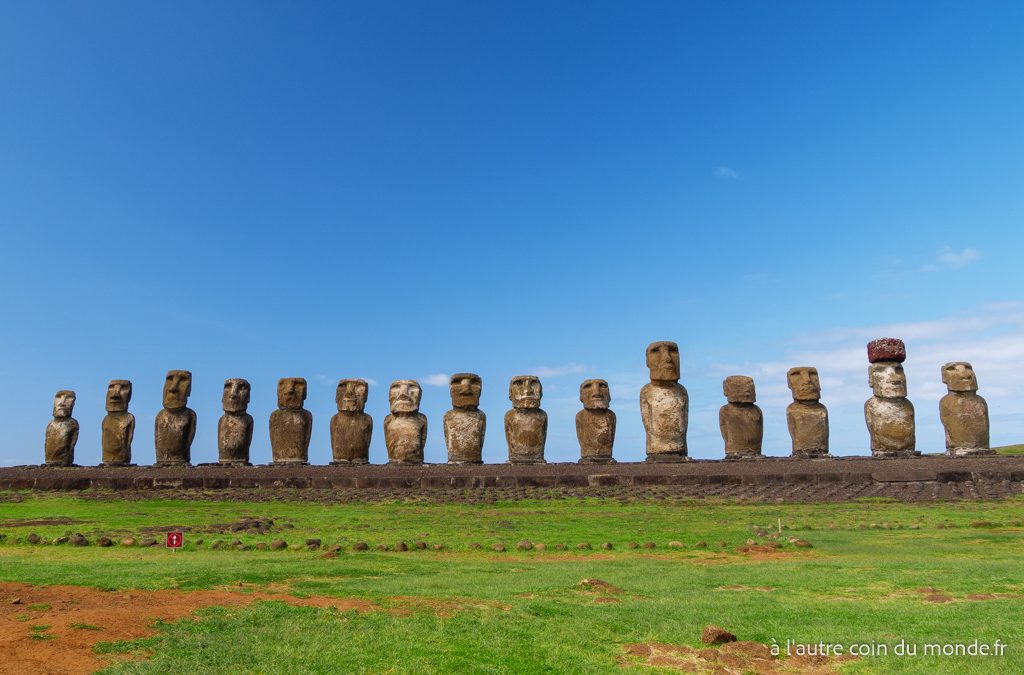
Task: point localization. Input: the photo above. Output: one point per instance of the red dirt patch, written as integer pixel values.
(993, 596)
(734, 657)
(119, 615)
(733, 587)
(937, 598)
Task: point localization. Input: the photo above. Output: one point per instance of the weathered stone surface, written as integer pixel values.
(118, 425)
(806, 417)
(405, 429)
(351, 427)
(716, 635)
(526, 425)
(62, 431)
(888, 414)
(664, 405)
(234, 430)
(465, 424)
(291, 424)
(595, 424)
(740, 420)
(887, 349)
(963, 412)
(176, 424)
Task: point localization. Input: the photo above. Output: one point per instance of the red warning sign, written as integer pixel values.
(174, 539)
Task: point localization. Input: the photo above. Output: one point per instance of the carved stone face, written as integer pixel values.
(465, 389)
(525, 391)
(739, 389)
(663, 361)
(291, 392)
(236, 395)
(119, 394)
(888, 380)
(959, 376)
(594, 395)
(404, 396)
(177, 388)
(351, 395)
(804, 383)
(63, 403)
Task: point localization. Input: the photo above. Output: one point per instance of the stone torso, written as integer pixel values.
(964, 416)
(350, 437)
(595, 430)
(808, 426)
(405, 434)
(742, 426)
(61, 436)
(289, 435)
(526, 430)
(464, 435)
(175, 430)
(665, 411)
(891, 425)
(118, 430)
(234, 436)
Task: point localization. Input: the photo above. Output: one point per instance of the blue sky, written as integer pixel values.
(409, 189)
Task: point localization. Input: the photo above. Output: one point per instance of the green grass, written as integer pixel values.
(521, 611)
(1010, 449)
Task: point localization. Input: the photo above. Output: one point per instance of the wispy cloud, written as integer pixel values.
(557, 371)
(726, 172)
(951, 259)
(437, 379)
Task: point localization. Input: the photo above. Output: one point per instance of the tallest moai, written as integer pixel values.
(664, 405)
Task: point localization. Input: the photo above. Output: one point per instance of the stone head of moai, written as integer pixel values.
(465, 389)
(177, 389)
(887, 379)
(739, 389)
(525, 391)
(63, 403)
(291, 393)
(404, 396)
(236, 395)
(804, 383)
(119, 395)
(959, 376)
(595, 395)
(663, 361)
(351, 395)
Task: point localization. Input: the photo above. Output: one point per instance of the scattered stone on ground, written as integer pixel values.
(401, 546)
(607, 546)
(360, 546)
(675, 544)
(632, 545)
(650, 544)
(583, 546)
(104, 542)
(498, 548)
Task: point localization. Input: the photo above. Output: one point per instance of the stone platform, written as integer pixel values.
(770, 479)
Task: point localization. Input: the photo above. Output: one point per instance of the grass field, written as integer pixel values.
(1010, 449)
(877, 573)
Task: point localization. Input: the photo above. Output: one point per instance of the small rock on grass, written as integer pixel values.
(360, 546)
(147, 542)
(802, 543)
(34, 538)
(560, 547)
(701, 544)
(583, 546)
(78, 540)
(438, 547)
(401, 546)
(420, 545)
(675, 544)
(312, 542)
(607, 546)
(525, 545)
(540, 547)
(499, 548)
(381, 547)
(475, 545)
(278, 545)
(632, 545)
(104, 542)
(128, 541)
(61, 540)
(650, 544)
(716, 635)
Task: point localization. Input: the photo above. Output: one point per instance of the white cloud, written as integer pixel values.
(557, 371)
(951, 259)
(726, 172)
(437, 379)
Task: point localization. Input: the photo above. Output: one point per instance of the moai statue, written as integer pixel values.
(465, 424)
(889, 415)
(176, 424)
(291, 424)
(405, 429)
(964, 414)
(62, 431)
(118, 425)
(806, 417)
(740, 420)
(351, 427)
(234, 431)
(526, 425)
(664, 405)
(595, 424)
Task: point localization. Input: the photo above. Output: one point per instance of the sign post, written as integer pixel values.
(175, 540)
